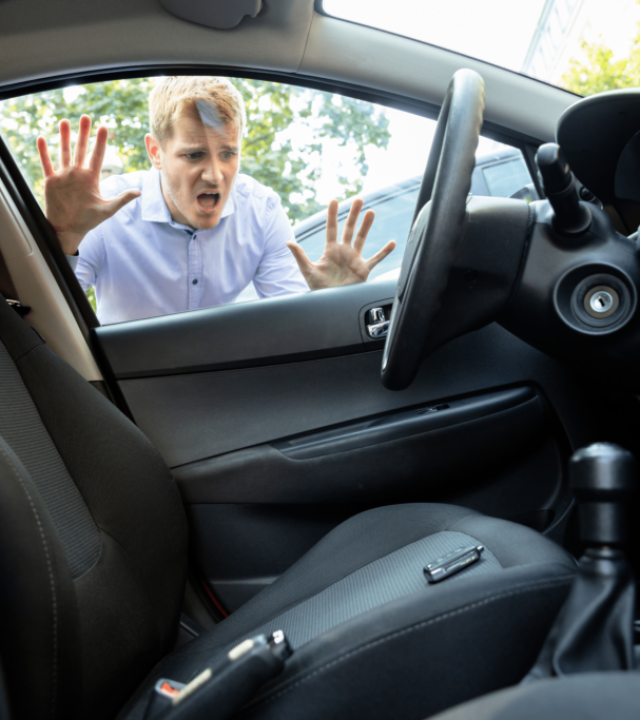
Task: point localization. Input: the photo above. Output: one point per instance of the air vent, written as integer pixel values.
(217, 14)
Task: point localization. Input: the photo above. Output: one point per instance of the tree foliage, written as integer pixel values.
(598, 70)
(286, 161)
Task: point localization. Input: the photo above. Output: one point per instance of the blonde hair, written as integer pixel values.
(214, 100)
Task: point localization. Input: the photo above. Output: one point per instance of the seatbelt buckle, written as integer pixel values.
(452, 563)
(21, 309)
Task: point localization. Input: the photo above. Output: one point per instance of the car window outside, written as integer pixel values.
(303, 147)
(506, 178)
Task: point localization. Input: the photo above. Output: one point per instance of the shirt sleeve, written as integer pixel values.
(278, 272)
(90, 259)
(89, 263)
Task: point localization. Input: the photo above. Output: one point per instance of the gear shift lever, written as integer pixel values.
(603, 477)
(594, 630)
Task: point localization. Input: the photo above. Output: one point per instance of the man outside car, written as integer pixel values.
(191, 232)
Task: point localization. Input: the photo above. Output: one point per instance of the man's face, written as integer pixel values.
(198, 167)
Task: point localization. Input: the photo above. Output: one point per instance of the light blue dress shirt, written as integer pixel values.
(144, 264)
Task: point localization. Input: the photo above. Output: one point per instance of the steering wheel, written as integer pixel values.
(436, 231)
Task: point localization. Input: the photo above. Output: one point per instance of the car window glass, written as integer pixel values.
(506, 178)
(500, 172)
(300, 149)
(393, 222)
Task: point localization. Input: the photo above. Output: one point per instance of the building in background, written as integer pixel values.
(565, 25)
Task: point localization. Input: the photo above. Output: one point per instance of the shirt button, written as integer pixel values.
(195, 282)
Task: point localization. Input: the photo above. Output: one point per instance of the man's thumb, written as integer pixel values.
(300, 257)
(119, 202)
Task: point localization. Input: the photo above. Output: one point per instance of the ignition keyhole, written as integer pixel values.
(601, 301)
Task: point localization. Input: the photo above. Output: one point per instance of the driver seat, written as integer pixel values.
(93, 562)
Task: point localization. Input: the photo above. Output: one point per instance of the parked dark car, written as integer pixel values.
(501, 174)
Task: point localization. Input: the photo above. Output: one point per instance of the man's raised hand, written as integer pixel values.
(342, 262)
(73, 203)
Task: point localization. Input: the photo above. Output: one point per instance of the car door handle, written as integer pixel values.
(378, 325)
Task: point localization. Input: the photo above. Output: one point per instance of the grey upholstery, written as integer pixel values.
(76, 648)
(391, 645)
(88, 506)
(22, 428)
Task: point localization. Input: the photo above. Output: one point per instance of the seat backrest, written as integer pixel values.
(93, 539)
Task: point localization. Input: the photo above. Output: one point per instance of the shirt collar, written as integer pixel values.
(154, 207)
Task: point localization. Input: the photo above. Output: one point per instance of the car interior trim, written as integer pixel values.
(426, 418)
(270, 332)
(50, 314)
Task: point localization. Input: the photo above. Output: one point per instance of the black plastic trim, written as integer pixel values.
(424, 467)
(426, 418)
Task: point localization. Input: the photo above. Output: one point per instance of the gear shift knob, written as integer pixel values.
(603, 478)
(594, 630)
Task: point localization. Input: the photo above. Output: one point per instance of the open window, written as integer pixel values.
(300, 147)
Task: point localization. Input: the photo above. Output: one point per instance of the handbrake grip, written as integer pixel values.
(216, 696)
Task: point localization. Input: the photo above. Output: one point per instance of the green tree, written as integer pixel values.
(598, 70)
(120, 105)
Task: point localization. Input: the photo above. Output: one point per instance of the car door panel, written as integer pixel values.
(197, 415)
(413, 468)
(270, 332)
(230, 395)
(241, 547)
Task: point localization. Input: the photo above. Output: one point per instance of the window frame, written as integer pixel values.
(44, 235)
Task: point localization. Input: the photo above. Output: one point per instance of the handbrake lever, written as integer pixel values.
(217, 695)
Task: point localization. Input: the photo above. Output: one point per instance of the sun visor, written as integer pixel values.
(600, 138)
(217, 14)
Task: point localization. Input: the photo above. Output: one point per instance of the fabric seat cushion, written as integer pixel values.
(102, 533)
(361, 617)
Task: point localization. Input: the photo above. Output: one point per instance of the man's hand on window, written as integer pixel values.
(73, 203)
(342, 262)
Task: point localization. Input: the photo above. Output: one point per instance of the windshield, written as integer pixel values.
(586, 46)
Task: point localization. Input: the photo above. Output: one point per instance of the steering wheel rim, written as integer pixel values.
(436, 231)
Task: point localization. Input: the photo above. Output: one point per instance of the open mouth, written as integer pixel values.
(208, 201)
